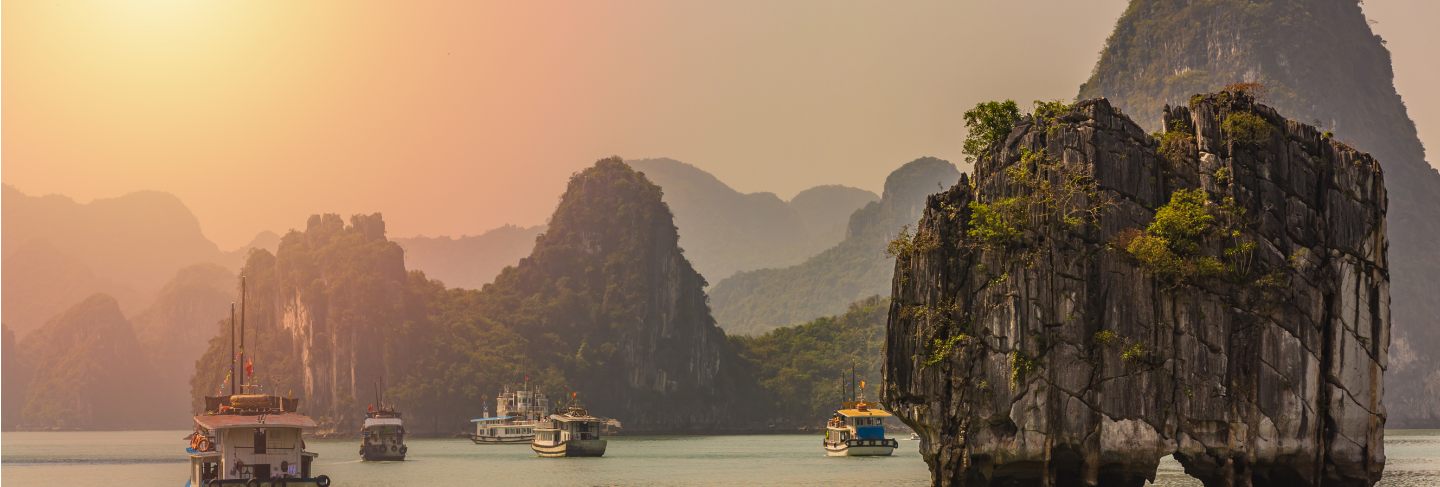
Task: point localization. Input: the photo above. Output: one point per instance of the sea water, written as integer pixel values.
(158, 458)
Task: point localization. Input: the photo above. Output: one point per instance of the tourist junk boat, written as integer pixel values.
(857, 429)
(572, 433)
(518, 412)
(382, 435)
(249, 438)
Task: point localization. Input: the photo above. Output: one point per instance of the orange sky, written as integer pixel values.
(456, 117)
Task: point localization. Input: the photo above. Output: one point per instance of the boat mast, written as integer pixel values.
(232, 349)
(242, 335)
(852, 369)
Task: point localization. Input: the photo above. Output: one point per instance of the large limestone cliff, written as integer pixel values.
(1120, 316)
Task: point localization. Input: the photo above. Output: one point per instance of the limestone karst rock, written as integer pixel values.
(1056, 346)
(1319, 62)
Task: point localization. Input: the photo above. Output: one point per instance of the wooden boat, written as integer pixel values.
(573, 433)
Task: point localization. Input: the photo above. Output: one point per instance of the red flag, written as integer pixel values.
(249, 368)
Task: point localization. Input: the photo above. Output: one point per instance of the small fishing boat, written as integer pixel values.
(573, 433)
(857, 429)
(382, 435)
(518, 413)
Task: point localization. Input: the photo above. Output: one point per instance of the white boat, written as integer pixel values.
(251, 440)
(382, 436)
(573, 433)
(518, 412)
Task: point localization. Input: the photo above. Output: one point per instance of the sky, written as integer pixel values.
(453, 118)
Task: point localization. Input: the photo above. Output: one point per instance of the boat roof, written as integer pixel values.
(570, 419)
(276, 420)
(382, 422)
(865, 413)
(492, 418)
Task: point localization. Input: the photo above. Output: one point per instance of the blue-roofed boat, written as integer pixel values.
(857, 429)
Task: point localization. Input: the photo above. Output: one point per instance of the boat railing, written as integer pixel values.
(320, 481)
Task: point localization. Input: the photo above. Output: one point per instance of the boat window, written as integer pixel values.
(259, 440)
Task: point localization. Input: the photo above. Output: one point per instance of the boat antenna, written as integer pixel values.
(232, 348)
(378, 405)
(241, 377)
(851, 373)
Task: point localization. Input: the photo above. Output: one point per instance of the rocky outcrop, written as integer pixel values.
(1056, 346)
(1318, 60)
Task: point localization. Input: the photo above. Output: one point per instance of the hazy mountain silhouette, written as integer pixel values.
(57, 251)
(758, 301)
(724, 231)
(84, 370)
(177, 327)
(469, 261)
(1317, 60)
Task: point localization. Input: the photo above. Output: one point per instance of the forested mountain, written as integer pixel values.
(470, 261)
(177, 327)
(1317, 60)
(800, 367)
(758, 301)
(325, 318)
(14, 381)
(84, 369)
(57, 251)
(724, 231)
(605, 305)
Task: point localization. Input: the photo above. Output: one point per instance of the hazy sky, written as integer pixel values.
(456, 117)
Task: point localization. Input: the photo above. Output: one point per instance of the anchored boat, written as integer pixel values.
(573, 433)
(250, 439)
(382, 436)
(858, 429)
(518, 413)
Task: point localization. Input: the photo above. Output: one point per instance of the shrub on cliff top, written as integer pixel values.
(987, 125)
(1246, 128)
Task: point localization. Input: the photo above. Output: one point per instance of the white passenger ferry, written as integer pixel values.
(518, 412)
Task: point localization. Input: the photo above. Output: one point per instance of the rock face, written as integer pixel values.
(1064, 354)
(323, 318)
(1318, 60)
(826, 284)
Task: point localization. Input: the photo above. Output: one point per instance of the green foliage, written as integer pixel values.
(1105, 337)
(987, 125)
(1172, 246)
(1048, 113)
(997, 224)
(1246, 128)
(798, 367)
(906, 244)
(1134, 352)
(1183, 222)
(1175, 146)
(1021, 366)
(940, 349)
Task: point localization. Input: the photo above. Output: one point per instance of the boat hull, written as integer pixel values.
(502, 440)
(572, 448)
(383, 453)
(862, 448)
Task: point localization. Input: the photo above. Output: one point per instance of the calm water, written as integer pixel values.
(157, 458)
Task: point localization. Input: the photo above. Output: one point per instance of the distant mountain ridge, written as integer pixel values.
(758, 301)
(57, 251)
(469, 261)
(724, 231)
(1316, 60)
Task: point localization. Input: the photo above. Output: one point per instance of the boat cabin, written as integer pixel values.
(251, 437)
